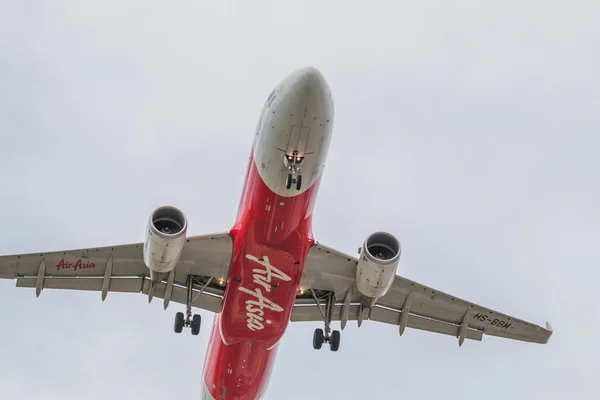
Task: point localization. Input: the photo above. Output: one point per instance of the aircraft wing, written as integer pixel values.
(328, 271)
(122, 269)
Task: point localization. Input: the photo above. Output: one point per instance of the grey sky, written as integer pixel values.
(470, 131)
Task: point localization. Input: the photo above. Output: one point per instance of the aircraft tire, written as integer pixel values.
(298, 182)
(288, 181)
(318, 339)
(179, 322)
(335, 340)
(196, 323)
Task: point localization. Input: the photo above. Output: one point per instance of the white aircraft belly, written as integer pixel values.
(299, 120)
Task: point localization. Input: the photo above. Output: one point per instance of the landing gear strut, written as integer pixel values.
(190, 321)
(327, 336)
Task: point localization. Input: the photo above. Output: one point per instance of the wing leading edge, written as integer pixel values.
(406, 304)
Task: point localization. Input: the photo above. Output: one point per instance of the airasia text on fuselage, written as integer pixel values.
(258, 303)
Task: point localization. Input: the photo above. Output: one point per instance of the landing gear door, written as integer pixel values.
(299, 137)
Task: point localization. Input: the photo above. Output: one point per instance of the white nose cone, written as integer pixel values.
(310, 81)
(297, 119)
(307, 92)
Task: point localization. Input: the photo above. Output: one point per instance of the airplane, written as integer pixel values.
(268, 270)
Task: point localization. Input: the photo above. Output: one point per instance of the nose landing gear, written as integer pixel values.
(293, 163)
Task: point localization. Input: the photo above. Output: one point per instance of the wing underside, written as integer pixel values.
(122, 269)
(406, 304)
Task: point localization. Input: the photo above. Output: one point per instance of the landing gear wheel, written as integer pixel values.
(298, 182)
(188, 320)
(196, 322)
(318, 339)
(334, 342)
(179, 322)
(288, 181)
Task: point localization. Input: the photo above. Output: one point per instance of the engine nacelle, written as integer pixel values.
(376, 270)
(165, 238)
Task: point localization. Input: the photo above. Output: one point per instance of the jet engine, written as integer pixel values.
(376, 270)
(165, 238)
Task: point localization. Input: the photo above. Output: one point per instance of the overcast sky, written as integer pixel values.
(470, 131)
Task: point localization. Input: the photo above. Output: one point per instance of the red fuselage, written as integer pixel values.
(271, 238)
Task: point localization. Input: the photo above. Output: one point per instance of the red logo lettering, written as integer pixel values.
(78, 265)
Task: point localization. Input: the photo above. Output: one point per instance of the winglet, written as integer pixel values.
(547, 334)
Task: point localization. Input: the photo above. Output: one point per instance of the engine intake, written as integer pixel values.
(379, 258)
(165, 238)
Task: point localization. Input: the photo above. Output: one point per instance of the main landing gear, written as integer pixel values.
(190, 321)
(332, 338)
(193, 322)
(327, 336)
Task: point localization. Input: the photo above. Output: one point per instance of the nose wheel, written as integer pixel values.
(295, 181)
(194, 322)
